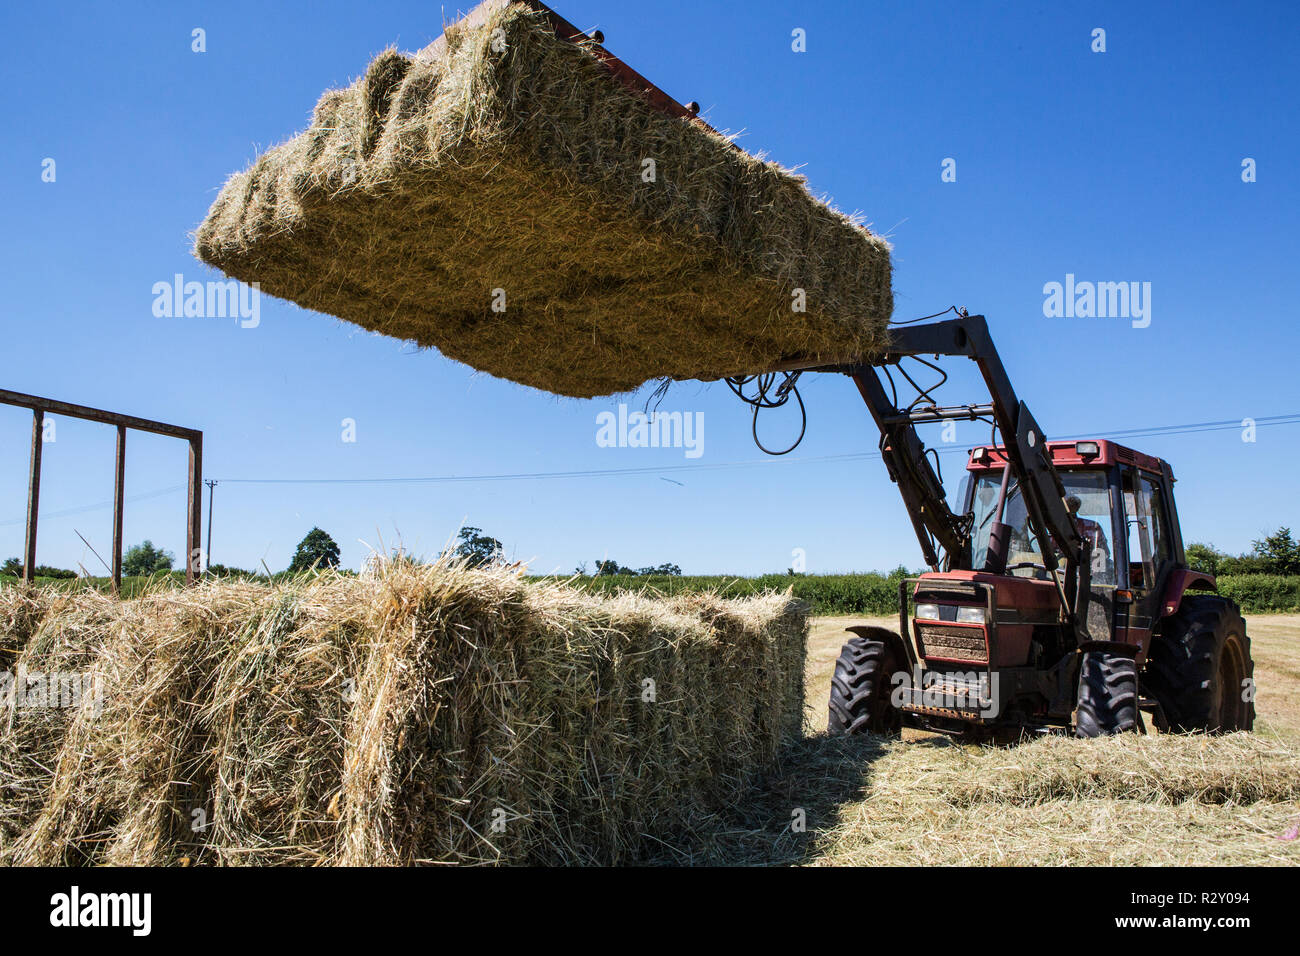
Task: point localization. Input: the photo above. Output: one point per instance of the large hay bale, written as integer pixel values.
(505, 158)
(425, 714)
(42, 633)
(130, 768)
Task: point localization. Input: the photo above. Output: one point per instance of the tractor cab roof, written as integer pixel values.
(1091, 453)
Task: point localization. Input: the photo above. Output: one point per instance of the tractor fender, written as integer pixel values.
(885, 635)
(1181, 581)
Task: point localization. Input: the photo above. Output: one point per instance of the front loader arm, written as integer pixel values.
(910, 468)
(909, 465)
(1022, 439)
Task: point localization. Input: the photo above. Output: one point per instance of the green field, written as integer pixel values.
(878, 594)
(868, 593)
(827, 593)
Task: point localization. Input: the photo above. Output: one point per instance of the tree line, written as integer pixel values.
(1276, 553)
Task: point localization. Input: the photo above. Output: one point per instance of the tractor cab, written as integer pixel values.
(1122, 502)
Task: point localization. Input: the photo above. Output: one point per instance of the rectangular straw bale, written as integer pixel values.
(505, 168)
(421, 714)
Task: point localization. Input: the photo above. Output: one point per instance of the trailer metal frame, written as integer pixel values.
(42, 406)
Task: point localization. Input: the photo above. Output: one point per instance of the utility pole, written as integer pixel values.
(211, 483)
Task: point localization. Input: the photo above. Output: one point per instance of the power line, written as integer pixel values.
(82, 509)
(1160, 431)
(1155, 431)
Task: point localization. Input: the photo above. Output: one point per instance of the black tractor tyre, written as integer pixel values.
(1108, 695)
(861, 688)
(1199, 667)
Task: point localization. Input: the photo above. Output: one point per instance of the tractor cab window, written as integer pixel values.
(1087, 492)
(1025, 557)
(1024, 553)
(1161, 549)
(1087, 497)
(1150, 551)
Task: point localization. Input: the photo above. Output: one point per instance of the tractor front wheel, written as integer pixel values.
(861, 688)
(1108, 695)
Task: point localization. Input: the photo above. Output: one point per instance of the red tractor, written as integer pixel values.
(1058, 594)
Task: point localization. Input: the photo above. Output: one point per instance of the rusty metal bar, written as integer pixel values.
(119, 490)
(96, 415)
(194, 524)
(564, 30)
(33, 494)
(194, 436)
(623, 73)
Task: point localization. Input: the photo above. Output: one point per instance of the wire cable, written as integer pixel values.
(952, 308)
(82, 509)
(1156, 431)
(1159, 431)
(761, 399)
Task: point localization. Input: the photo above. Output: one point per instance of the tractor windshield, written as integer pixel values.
(1087, 495)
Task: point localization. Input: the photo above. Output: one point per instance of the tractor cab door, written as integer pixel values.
(1090, 496)
(1148, 558)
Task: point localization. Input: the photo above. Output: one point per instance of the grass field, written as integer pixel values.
(928, 800)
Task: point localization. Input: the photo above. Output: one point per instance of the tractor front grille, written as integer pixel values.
(953, 643)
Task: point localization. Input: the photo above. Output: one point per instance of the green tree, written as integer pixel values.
(1205, 558)
(1244, 564)
(671, 570)
(316, 550)
(14, 567)
(222, 571)
(608, 566)
(45, 571)
(145, 559)
(1280, 552)
(477, 548)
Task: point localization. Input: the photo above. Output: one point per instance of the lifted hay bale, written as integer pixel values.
(425, 714)
(504, 167)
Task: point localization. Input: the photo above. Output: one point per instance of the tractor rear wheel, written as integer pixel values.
(861, 687)
(1199, 668)
(1108, 695)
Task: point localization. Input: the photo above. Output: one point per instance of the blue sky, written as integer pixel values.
(1115, 166)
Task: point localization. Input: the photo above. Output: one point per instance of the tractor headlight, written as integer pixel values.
(927, 612)
(970, 615)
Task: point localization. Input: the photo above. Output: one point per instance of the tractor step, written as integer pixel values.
(1152, 706)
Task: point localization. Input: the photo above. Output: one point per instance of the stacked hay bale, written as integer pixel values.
(430, 714)
(503, 197)
(42, 632)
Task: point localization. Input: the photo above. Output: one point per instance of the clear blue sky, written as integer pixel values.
(1115, 166)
